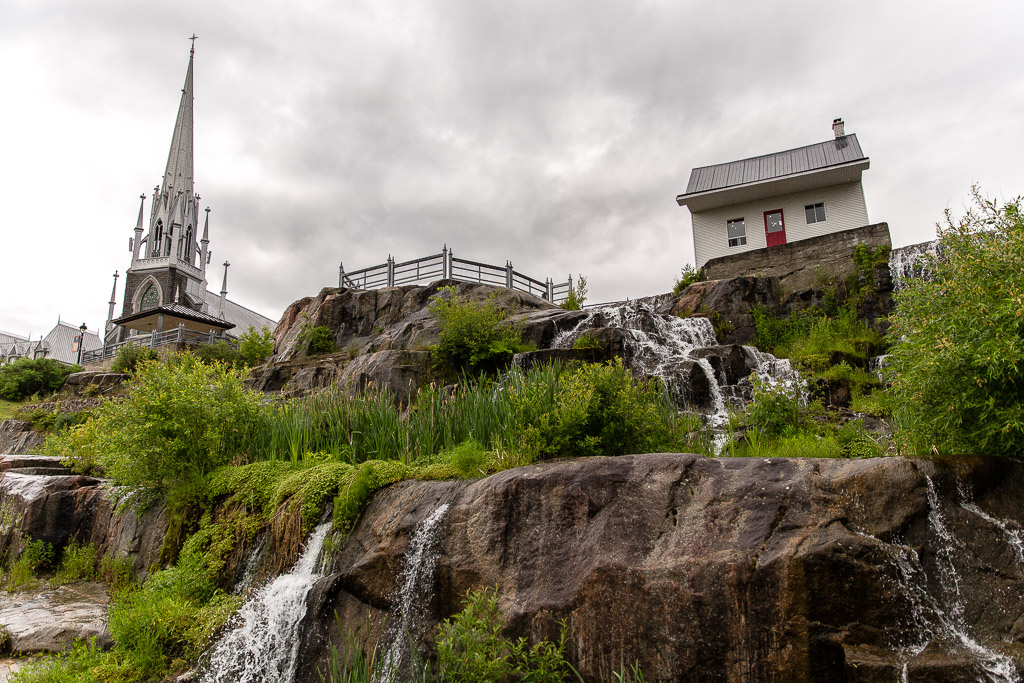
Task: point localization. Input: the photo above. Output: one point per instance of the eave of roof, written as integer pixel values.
(172, 313)
(837, 174)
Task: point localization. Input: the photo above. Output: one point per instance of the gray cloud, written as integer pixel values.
(553, 134)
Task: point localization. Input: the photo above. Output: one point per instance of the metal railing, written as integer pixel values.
(178, 335)
(446, 266)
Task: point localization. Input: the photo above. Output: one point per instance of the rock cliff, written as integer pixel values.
(713, 569)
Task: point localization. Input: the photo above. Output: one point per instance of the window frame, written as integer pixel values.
(811, 211)
(739, 240)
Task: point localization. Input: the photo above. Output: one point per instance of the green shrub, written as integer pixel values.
(220, 351)
(35, 557)
(77, 563)
(587, 340)
(577, 295)
(957, 363)
(469, 458)
(27, 376)
(129, 357)
(593, 409)
(473, 336)
(255, 346)
(117, 572)
(316, 339)
(778, 409)
(471, 647)
(181, 419)
(688, 276)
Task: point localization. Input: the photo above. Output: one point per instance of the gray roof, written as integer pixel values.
(835, 152)
(61, 338)
(241, 316)
(178, 311)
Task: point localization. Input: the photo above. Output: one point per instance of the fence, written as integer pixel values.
(446, 266)
(179, 336)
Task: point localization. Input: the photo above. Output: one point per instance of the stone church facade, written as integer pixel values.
(166, 285)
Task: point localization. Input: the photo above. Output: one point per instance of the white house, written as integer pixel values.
(777, 198)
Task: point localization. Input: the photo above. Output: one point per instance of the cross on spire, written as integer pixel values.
(193, 39)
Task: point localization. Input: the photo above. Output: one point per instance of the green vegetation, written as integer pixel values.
(256, 346)
(221, 351)
(8, 409)
(26, 377)
(577, 295)
(181, 420)
(317, 339)
(36, 557)
(77, 563)
(687, 277)
(54, 419)
(129, 357)
(957, 363)
(474, 336)
(470, 646)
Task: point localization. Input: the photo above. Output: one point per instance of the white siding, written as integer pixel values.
(844, 210)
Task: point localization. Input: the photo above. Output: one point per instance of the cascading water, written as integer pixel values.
(1012, 536)
(997, 668)
(657, 343)
(412, 595)
(912, 262)
(264, 643)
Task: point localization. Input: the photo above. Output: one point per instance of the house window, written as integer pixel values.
(815, 213)
(737, 231)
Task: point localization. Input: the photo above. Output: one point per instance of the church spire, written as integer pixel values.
(178, 176)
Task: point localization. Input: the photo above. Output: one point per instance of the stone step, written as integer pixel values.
(43, 471)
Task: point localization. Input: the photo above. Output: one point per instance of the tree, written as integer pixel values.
(957, 366)
(27, 376)
(577, 295)
(256, 345)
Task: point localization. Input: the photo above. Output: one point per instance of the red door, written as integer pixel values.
(774, 228)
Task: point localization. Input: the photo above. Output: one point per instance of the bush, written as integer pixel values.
(129, 357)
(27, 376)
(220, 351)
(593, 409)
(180, 420)
(957, 365)
(577, 295)
(688, 276)
(779, 409)
(36, 557)
(473, 337)
(255, 346)
(77, 563)
(470, 647)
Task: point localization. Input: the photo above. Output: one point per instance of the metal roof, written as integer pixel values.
(835, 152)
(177, 311)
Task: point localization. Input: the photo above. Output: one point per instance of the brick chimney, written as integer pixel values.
(837, 128)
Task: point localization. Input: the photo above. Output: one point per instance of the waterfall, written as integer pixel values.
(1012, 536)
(412, 597)
(912, 262)
(656, 343)
(264, 643)
(997, 668)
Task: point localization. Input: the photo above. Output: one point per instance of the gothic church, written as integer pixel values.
(165, 287)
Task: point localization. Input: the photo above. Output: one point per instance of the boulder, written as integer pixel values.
(731, 299)
(708, 569)
(18, 436)
(53, 620)
(731, 362)
(384, 319)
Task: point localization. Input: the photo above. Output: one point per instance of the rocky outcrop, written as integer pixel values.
(93, 382)
(731, 300)
(54, 620)
(713, 569)
(383, 319)
(18, 436)
(38, 505)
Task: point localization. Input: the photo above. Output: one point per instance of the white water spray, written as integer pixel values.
(996, 667)
(413, 594)
(912, 262)
(264, 644)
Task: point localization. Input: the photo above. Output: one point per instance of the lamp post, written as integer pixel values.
(81, 343)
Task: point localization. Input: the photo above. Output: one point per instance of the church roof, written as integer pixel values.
(176, 311)
(238, 314)
(60, 341)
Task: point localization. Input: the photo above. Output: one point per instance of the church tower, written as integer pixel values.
(169, 264)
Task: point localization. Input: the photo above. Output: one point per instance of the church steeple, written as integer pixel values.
(178, 176)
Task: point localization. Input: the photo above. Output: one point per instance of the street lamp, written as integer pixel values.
(81, 343)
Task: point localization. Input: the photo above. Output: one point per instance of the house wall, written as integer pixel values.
(844, 210)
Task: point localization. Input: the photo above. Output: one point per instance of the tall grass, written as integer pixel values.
(372, 426)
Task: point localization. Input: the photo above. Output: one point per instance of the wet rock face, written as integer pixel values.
(715, 569)
(36, 503)
(54, 620)
(17, 437)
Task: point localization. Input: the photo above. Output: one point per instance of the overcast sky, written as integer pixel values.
(555, 134)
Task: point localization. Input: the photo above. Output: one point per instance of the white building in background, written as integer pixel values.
(777, 198)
